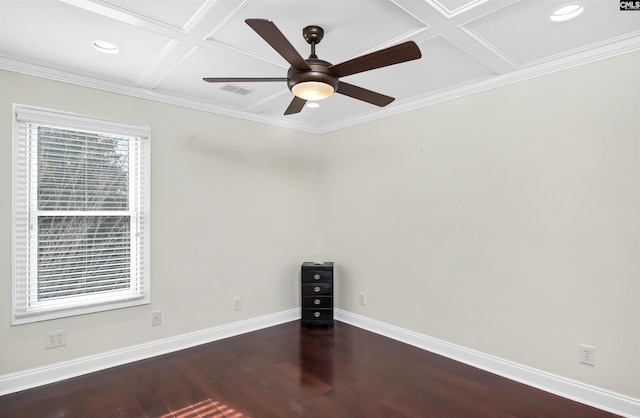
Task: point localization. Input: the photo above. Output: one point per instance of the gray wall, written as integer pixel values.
(232, 214)
(507, 222)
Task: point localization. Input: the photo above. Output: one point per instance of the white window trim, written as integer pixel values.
(135, 295)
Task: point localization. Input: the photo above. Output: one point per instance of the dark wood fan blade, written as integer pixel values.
(295, 106)
(406, 51)
(241, 79)
(363, 94)
(272, 35)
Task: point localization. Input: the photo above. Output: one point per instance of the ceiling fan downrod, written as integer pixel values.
(313, 35)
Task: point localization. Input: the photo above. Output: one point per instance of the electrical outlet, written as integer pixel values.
(362, 298)
(237, 304)
(156, 318)
(55, 339)
(587, 355)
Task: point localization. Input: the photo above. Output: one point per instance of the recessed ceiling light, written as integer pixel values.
(106, 47)
(566, 12)
(313, 105)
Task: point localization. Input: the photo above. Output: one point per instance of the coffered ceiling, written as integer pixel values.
(168, 46)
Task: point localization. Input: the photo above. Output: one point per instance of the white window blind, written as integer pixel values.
(80, 215)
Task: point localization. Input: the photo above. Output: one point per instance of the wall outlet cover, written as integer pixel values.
(55, 339)
(587, 355)
(156, 318)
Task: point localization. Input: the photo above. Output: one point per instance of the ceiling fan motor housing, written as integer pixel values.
(319, 73)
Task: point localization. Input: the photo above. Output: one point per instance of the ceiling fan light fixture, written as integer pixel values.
(313, 90)
(566, 12)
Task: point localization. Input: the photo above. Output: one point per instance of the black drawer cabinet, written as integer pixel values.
(317, 293)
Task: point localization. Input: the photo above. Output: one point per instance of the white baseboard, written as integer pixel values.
(580, 392)
(576, 391)
(44, 375)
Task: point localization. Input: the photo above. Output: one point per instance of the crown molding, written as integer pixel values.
(602, 52)
(65, 75)
(565, 62)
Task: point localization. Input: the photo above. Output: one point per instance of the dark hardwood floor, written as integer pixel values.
(289, 371)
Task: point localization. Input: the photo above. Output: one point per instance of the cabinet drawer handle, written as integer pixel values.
(316, 289)
(316, 314)
(316, 277)
(316, 301)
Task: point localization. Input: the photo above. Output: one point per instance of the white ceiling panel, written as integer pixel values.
(351, 27)
(453, 7)
(168, 46)
(429, 75)
(61, 35)
(186, 79)
(176, 13)
(524, 32)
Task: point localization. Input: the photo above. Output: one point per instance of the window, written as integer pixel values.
(80, 215)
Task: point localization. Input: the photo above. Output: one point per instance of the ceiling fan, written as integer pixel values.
(315, 79)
